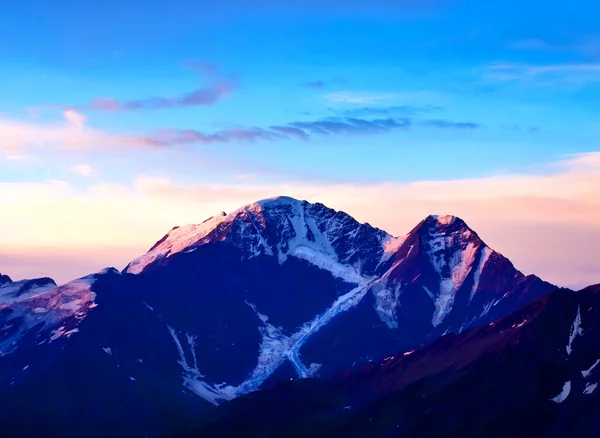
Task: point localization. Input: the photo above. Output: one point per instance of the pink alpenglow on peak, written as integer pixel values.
(445, 219)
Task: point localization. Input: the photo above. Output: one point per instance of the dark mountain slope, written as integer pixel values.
(532, 373)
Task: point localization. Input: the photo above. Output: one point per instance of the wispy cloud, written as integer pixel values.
(446, 124)
(70, 132)
(74, 133)
(83, 170)
(217, 88)
(315, 84)
(546, 74)
(532, 44)
(520, 128)
(299, 130)
(589, 45)
(75, 118)
(405, 110)
(320, 84)
(359, 97)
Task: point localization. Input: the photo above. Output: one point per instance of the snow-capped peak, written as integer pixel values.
(284, 227)
(278, 200)
(444, 220)
(455, 253)
(281, 227)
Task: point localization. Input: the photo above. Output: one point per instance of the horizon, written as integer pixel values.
(123, 125)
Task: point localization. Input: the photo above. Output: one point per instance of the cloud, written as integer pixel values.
(370, 111)
(218, 87)
(533, 44)
(359, 98)
(70, 133)
(546, 224)
(445, 124)
(548, 74)
(320, 84)
(83, 169)
(75, 118)
(589, 46)
(73, 133)
(207, 96)
(564, 68)
(315, 84)
(520, 128)
(16, 157)
(300, 130)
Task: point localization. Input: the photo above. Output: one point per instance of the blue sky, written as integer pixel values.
(265, 93)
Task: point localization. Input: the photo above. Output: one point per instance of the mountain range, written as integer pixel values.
(275, 291)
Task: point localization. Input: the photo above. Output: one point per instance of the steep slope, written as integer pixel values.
(273, 291)
(532, 373)
(442, 279)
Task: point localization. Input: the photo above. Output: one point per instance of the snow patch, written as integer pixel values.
(444, 220)
(274, 350)
(575, 330)
(177, 240)
(590, 369)
(483, 258)
(459, 265)
(487, 307)
(563, 394)
(192, 378)
(39, 310)
(590, 388)
(391, 245)
(520, 324)
(314, 368)
(57, 333)
(387, 300)
(387, 297)
(327, 262)
(10, 292)
(72, 305)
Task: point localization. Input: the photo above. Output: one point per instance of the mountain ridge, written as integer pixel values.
(288, 288)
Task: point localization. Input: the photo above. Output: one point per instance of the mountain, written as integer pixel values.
(11, 291)
(532, 373)
(273, 291)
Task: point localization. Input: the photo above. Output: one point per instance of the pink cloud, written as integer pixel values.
(75, 118)
(218, 88)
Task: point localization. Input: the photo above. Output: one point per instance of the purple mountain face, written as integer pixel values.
(277, 290)
(532, 373)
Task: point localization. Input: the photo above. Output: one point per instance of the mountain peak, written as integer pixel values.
(278, 200)
(278, 226)
(267, 204)
(4, 279)
(446, 225)
(443, 219)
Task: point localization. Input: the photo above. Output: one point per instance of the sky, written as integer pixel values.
(120, 120)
